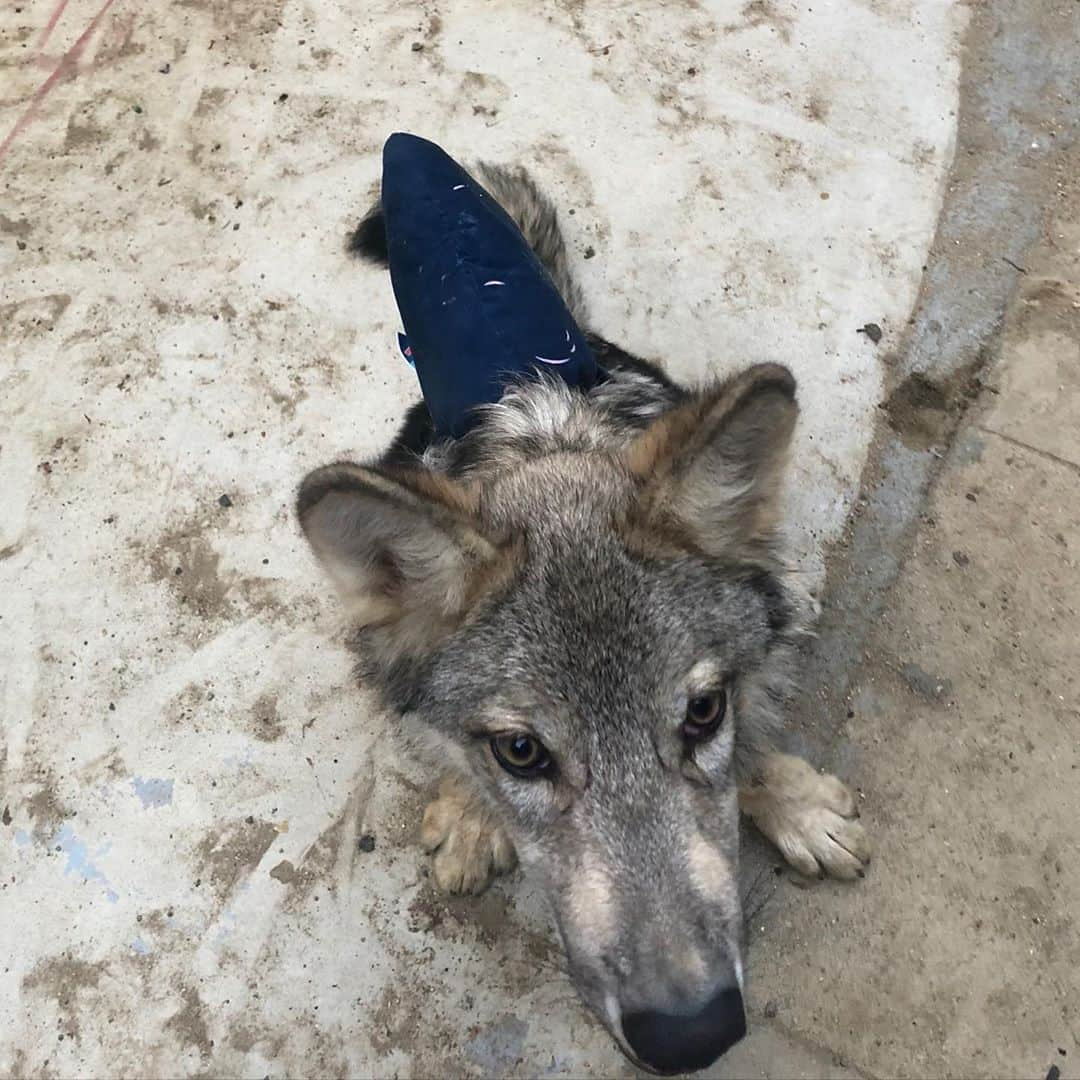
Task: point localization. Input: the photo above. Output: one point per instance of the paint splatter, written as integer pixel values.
(78, 861)
(66, 68)
(498, 1047)
(50, 26)
(154, 792)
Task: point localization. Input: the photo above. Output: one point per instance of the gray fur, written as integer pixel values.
(598, 565)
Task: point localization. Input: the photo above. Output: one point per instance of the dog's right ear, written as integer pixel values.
(398, 543)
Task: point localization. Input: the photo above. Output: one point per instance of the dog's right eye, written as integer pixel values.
(521, 755)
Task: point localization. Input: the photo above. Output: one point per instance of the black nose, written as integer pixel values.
(674, 1043)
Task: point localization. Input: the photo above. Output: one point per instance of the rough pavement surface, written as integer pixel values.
(959, 955)
(207, 845)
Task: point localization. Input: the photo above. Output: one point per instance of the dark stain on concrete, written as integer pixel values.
(762, 13)
(20, 229)
(488, 919)
(395, 1023)
(817, 108)
(790, 158)
(189, 1024)
(240, 19)
(288, 401)
(917, 411)
(185, 560)
(33, 317)
(185, 708)
(935, 687)
(227, 857)
(210, 100)
(267, 724)
(923, 411)
(285, 872)
(62, 979)
(46, 809)
(79, 137)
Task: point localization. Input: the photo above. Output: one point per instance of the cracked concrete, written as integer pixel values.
(207, 850)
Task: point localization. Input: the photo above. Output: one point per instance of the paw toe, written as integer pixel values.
(798, 855)
(436, 825)
(847, 850)
(503, 854)
(449, 871)
(854, 838)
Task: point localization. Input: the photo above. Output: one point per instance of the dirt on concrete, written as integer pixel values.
(182, 323)
(959, 955)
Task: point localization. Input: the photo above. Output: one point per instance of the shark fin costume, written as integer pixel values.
(479, 309)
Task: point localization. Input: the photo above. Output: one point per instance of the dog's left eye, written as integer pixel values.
(704, 714)
(521, 755)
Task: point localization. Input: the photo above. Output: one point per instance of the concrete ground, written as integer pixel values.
(960, 954)
(186, 772)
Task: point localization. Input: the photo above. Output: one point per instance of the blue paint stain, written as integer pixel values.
(227, 925)
(152, 792)
(498, 1047)
(22, 838)
(139, 946)
(78, 861)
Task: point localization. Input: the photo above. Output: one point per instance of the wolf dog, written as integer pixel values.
(582, 617)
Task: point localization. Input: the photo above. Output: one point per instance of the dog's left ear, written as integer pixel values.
(404, 547)
(710, 469)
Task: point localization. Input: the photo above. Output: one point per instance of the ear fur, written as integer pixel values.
(710, 470)
(401, 545)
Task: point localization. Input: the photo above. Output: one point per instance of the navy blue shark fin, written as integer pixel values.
(479, 309)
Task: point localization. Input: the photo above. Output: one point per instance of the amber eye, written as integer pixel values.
(704, 714)
(521, 755)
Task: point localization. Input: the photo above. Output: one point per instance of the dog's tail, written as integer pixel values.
(531, 210)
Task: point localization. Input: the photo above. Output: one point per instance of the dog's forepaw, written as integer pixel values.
(810, 817)
(469, 848)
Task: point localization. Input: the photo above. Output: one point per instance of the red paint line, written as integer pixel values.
(66, 64)
(50, 26)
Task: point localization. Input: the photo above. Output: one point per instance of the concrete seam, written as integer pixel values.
(1071, 465)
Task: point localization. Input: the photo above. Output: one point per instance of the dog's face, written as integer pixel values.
(591, 633)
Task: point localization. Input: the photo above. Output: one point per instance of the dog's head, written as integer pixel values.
(593, 626)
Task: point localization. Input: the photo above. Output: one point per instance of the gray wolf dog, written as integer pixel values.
(582, 615)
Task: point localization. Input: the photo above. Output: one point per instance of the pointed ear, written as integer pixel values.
(710, 470)
(397, 543)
